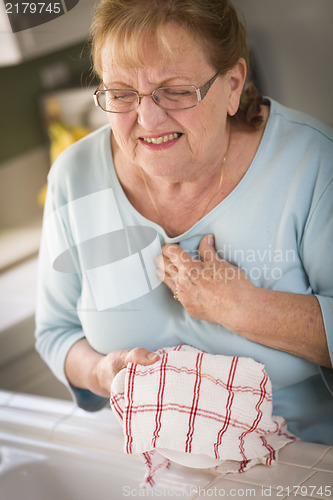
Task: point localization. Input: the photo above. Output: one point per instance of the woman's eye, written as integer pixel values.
(122, 95)
(177, 92)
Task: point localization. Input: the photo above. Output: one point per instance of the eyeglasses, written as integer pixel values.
(175, 97)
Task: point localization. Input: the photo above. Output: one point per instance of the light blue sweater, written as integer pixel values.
(97, 277)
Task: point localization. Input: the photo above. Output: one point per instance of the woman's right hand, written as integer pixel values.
(88, 369)
(109, 365)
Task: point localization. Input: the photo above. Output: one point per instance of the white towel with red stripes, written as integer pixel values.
(199, 408)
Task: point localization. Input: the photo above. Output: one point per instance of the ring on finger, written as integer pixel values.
(175, 294)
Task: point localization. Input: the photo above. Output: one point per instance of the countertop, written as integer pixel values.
(304, 470)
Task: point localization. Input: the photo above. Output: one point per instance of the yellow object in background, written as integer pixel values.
(62, 136)
(42, 195)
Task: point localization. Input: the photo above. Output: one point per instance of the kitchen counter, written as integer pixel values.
(51, 445)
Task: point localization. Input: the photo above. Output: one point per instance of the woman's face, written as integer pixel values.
(201, 131)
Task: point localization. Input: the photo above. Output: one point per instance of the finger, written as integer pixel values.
(164, 266)
(177, 256)
(141, 356)
(168, 281)
(166, 272)
(185, 266)
(207, 250)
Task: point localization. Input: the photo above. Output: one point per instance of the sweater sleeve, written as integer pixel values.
(318, 257)
(58, 326)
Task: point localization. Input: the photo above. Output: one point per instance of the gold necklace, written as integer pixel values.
(209, 201)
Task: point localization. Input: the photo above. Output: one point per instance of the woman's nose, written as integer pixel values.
(150, 115)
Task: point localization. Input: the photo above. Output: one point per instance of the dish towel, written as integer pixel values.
(212, 409)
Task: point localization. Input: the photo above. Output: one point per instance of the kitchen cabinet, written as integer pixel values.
(30, 29)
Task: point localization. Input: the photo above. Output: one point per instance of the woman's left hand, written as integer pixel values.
(209, 289)
(213, 290)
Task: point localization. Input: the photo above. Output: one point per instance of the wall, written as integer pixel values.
(292, 41)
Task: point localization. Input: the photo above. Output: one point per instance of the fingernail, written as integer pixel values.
(153, 356)
(211, 240)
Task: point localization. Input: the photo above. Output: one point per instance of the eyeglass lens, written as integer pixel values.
(176, 97)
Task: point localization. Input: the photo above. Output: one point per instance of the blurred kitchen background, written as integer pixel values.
(46, 88)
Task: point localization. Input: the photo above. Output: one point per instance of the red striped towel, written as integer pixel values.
(216, 408)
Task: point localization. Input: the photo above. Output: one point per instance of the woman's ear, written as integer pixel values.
(237, 76)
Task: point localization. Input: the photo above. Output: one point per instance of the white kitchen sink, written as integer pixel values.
(31, 471)
(51, 450)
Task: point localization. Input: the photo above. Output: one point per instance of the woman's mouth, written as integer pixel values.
(161, 141)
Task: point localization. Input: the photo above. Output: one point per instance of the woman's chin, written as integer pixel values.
(163, 165)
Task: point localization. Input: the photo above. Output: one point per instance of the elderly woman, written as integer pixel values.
(201, 215)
